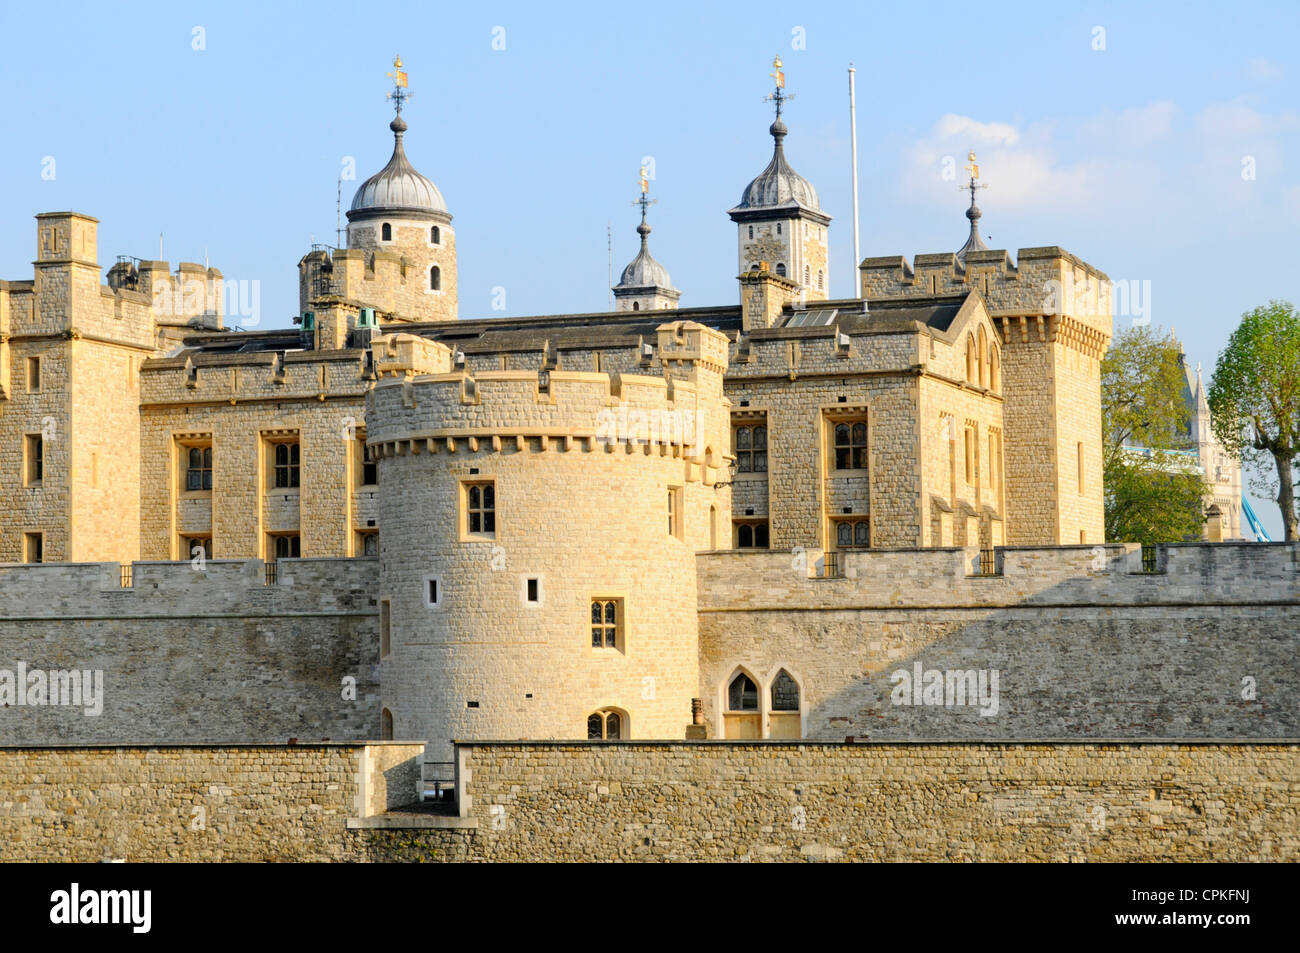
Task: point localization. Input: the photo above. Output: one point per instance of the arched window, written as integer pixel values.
(742, 694)
(386, 233)
(821, 279)
(751, 449)
(745, 535)
(386, 725)
(198, 475)
(851, 446)
(780, 266)
(982, 355)
(785, 692)
(805, 274)
(751, 231)
(995, 368)
(435, 278)
(970, 360)
(605, 725)
(435, 235)
(778, 228)
(636, 305)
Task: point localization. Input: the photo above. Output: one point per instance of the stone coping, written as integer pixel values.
(398, 819)
(882, 742)
(85, 746)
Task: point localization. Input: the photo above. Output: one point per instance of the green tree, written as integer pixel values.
(1255, 400)
(1153, 494)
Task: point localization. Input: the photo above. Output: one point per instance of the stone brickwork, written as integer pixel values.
(585, 470)
(685, 801)
(677, 801)
(241, 406)
(212, 654)
(230, 803)
(1085, 644)
(1053, 315)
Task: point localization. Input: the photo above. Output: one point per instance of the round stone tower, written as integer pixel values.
(540, 529)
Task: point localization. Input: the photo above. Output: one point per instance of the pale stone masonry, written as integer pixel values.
(759, 801)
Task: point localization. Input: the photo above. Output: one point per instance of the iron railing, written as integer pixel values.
(988, 563)
(832, 566)
(128, 577)
(1150, 558)
(271, 575)
(438, 781)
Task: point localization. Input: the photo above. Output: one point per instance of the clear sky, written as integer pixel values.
(1159, 142)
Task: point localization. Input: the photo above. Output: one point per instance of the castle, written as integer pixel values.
(536, 490)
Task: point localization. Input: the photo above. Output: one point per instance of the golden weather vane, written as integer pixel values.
(399, 94)
(778, 95)
(645, 182)
(972, 168)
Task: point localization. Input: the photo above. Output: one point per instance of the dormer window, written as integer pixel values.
(386, 233)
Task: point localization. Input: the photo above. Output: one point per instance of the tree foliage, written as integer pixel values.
(1153, 493)
(1255, 398)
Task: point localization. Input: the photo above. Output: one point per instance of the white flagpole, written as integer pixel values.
(853, 128)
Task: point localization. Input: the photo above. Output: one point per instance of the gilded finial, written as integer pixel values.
(778, 75)
(778, 95)
(399, 94)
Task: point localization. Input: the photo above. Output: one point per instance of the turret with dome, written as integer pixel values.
(780, 219)
(644, 284)
(400, 213)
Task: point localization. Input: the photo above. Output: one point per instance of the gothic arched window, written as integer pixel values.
(742, 694)
(785, 692)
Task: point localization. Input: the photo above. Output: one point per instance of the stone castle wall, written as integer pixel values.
(669, 801)
(1084, 643)
(196, 803)
(211, 654)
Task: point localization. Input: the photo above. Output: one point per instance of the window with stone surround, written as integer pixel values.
(385, 725)
(606, 725)
(972, 451)
(285, 460)
(198, 467)
(785, 692)
(368, 464)
(675, 503)
(435, 278)
(196, 547)
(995, 368)
(742, 694)
(33, 375)
(606, 623)
(981, 355)
(435, 235)
(480, 503)
(750, 442)
(286, 546)
(33, 459)
(34, 547)
(367, 543)
(752, 534)
(972, 361)
(850, 443)
(852, 534)
(780, 265)
(385, 627)
(386, 233)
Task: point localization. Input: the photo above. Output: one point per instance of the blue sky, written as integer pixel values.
(1132, 156)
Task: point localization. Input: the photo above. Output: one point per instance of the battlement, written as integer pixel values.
(1186, 574)
(178, 589)
(1040, 282)
(198, 377)
(581, 411)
